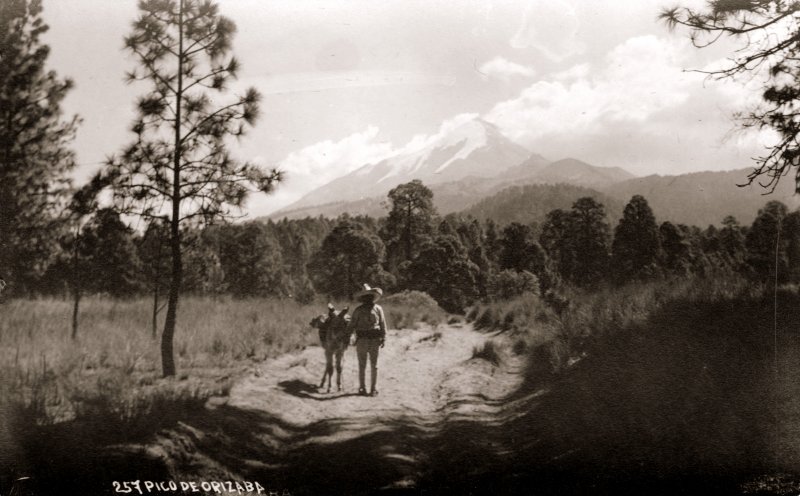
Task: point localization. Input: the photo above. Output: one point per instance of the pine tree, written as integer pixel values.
(179, 166)
(636, 247)
(590, 237)
(557, 242)
(350, 255)
(203, 273)
(767, 32)
(251, 260)
(410, 221)
(791, 236)
(492, 242)
(731, 241)
(443, 270)
(766, 248)
(35, 157)
(114, 266)
(676, 249)
(515, 246)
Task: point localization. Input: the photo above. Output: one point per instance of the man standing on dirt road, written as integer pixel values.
(369, 325)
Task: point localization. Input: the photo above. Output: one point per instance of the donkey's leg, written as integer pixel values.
(324, 374)
(329, 365)
(325, 371)
(327, 368)
(339, 354)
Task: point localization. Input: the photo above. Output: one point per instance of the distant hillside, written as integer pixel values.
(703, 198)
(532, 202)
(531, 166)
(455, 196)
(448, 198)
(368, 206)
(576, 172)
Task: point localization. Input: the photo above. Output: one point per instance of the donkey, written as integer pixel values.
(334, 337)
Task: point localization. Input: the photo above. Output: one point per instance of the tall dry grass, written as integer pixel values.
(592, 318)
(668, 379)
(111, 372)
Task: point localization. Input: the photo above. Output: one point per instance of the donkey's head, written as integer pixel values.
(334, 320)
(337, 321)
(319, 321)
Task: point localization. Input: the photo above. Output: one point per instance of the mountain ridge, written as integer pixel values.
(448, 156)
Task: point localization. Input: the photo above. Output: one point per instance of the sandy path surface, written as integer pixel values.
(276, 427)
(416, 370)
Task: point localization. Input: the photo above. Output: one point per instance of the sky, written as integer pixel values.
(346, 83)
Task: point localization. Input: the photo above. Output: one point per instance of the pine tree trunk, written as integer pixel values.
(76, 284)
(157, 282)
(76, 302)
(155, 310)
(167, 355)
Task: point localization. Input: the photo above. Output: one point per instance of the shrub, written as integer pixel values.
(410, 298)
(408, 309)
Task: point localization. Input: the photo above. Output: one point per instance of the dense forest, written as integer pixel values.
(458, 258)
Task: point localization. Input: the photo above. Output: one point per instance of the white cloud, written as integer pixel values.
(638, 78)
(504, 69)
(551, 26)
(320, 163)
(326, 160)
(636, 108)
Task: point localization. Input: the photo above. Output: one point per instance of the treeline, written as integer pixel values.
(457, 259)
(106, 256)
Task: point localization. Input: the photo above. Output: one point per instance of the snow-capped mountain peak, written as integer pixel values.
(465, 146)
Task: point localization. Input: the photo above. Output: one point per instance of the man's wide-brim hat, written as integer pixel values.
(367, 290)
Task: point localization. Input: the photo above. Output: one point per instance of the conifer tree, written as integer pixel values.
(179, 166)
(35, 157)
(410, 221)
(636, 247)
(590, 236)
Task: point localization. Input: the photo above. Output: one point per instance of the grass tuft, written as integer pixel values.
(489, 351)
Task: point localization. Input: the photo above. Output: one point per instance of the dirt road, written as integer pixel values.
(277, 428)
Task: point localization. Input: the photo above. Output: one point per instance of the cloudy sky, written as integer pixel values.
(350, 82)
